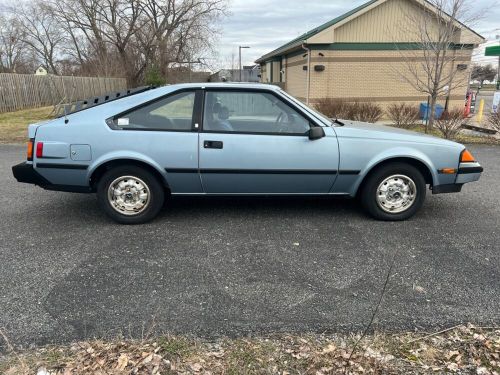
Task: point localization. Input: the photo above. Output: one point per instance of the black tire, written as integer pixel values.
(376, 178)
(154, 202)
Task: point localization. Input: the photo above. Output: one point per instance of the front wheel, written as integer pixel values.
(130, 195)
(394, 192)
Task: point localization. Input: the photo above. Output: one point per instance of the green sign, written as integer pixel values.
(493, 51)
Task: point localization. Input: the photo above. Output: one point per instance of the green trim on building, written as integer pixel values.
(366, 47)
(380, 46)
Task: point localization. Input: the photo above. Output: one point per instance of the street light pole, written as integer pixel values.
(240, 48)
(498, 69)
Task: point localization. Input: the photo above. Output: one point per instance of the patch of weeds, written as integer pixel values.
(54, 358)
(245, 357)
(176, 346)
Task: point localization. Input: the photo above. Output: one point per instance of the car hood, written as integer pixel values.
(360, 129)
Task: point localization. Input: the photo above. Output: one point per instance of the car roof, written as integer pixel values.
(108, 109)
(243, 85)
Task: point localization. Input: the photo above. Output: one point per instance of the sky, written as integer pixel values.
(265, 25)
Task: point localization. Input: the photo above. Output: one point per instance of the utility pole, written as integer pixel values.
(240, 48)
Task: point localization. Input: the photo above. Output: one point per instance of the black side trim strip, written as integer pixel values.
(181, 170)
(349, 172)
(61, 166)
(269, 171)
(255, 171)
(470, 170)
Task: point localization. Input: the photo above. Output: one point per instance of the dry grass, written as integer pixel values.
(14, 125)
(461, 349)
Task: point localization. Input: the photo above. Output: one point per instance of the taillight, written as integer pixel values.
(39, 150)
(29, 151)
(466, 157)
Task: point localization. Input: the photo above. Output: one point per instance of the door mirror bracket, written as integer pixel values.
(316, 132)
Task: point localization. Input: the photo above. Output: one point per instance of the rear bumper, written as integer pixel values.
(467, 172)
(25, 173)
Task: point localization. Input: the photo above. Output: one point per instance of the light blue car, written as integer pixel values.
(134, 149)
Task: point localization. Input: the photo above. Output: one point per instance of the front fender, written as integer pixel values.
(396, 153)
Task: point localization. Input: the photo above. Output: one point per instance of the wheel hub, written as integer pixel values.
(396, 194)
(129, 195)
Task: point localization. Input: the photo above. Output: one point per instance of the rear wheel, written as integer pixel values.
(130, 195)
(394, 192)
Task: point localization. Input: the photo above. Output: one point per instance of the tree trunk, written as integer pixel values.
(432, 109)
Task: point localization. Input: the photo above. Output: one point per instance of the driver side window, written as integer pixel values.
(251, 112)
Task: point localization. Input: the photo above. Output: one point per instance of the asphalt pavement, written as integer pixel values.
(235, 267)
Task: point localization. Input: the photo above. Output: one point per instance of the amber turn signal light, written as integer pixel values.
(29, 151)
(448, 171)
(467, 157)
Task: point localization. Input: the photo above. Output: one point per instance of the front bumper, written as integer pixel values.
(25, 172)
(467, 172)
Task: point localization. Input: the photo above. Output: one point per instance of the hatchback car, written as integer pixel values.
(136, 148)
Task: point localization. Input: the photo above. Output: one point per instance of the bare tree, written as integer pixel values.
(483, 73)
(179, 31)
(119, 37)
(41, 32)
(433, 67)
(11, 44)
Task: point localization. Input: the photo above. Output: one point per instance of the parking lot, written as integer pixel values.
(213, 267)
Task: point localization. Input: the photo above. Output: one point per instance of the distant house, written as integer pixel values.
(41, 71)
(356, 56)
(248, 74)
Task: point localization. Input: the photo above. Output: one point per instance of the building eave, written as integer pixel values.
(296, 44)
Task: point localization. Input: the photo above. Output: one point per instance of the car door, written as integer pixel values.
(253, 142)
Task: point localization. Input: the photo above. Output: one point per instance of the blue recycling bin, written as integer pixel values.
(424, 111)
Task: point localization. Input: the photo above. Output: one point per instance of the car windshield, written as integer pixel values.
(312, 111)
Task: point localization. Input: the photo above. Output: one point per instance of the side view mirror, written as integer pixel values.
(316, 132)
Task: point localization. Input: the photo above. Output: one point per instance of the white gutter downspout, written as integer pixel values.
(308, 84)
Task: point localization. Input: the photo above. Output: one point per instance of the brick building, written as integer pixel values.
(361, 56)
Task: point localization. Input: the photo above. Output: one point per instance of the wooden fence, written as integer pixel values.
(20, 91)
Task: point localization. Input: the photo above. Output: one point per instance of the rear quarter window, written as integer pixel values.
(173, 113)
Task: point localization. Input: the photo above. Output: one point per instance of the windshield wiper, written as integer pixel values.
(338, 122)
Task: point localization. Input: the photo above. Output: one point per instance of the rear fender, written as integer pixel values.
(130, 155)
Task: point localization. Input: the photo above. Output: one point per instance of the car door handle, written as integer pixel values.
(213, 144)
